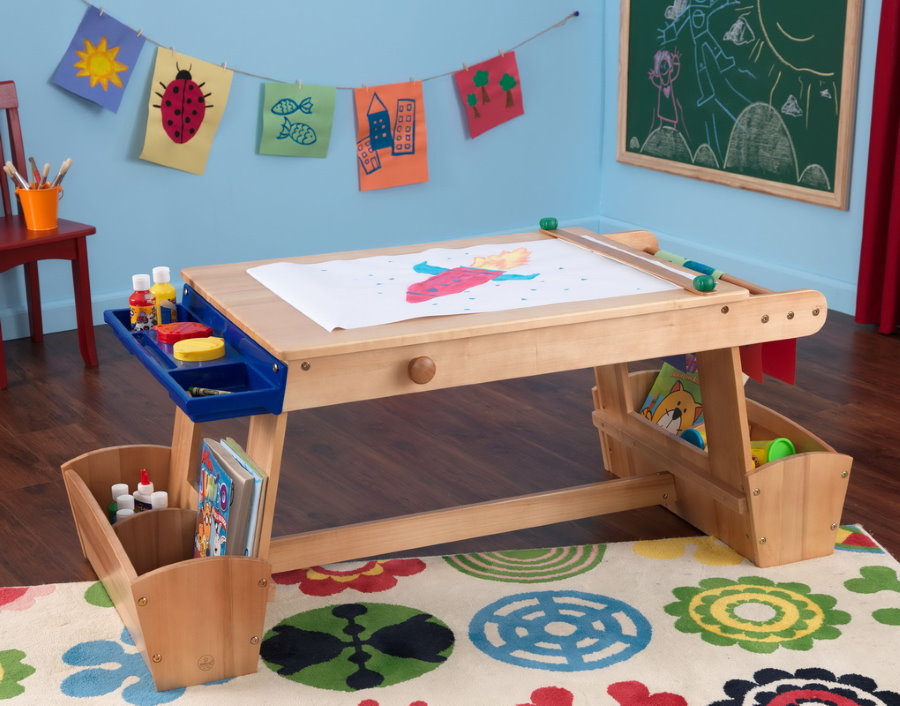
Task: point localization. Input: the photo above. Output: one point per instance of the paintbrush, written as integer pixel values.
(63, 168)
(15, 176)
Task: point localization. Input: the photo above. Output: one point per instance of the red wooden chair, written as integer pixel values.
(20, 246)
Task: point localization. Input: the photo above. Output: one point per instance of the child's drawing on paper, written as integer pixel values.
(296, 121)
(181, 122)
(483, 277)
(391, 138)
(446, 281)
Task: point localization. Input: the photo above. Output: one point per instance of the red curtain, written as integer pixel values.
(878, 289)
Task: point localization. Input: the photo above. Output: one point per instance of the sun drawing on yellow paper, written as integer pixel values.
(99, 64)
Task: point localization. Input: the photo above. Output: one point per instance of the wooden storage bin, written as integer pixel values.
(783, 511)
(193, 620)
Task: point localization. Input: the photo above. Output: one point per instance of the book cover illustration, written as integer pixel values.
(213, 506)
(241, 494)
(251, 547)
(674, 401)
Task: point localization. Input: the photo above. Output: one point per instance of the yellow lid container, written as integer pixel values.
(199, 349)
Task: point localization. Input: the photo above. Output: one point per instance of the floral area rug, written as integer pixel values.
(657, 623)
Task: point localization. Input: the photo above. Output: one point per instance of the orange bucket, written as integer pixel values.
(40, 207)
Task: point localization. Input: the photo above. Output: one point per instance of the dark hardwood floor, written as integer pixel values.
(429, 450)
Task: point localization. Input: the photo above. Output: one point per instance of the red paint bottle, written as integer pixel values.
(142, 304)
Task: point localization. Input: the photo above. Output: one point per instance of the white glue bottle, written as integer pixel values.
(143, 495)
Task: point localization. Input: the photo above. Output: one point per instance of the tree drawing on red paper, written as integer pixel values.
(472, 100)
(480, 80)
(493, 91)
(507, 83)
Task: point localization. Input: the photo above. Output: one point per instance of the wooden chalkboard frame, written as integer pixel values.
(837, 197)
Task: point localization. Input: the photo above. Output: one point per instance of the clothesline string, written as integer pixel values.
(140, 33)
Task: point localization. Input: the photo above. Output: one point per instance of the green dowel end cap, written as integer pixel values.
(549, 224)
(704, 283)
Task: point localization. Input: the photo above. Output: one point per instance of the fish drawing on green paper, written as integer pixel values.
(301, 133)
(286, 106)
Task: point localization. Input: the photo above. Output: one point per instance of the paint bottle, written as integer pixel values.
(117, 489)
(143, 496)
(159, 500)
(143, 311)
(164, 294)
(123, 503)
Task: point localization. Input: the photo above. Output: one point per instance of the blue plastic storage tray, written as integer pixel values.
(254, 377)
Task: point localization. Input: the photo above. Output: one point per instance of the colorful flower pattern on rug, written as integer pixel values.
(756, 613)
(365, 577)
(872, 580)
(635, 693)
(96, 595)
(776, 687)
(707, 550)
(22, 597)
(101, 680)
(550, 696)
(529, 565)
(851, 538)
(12, 671)
(356, 646)
(562, 631)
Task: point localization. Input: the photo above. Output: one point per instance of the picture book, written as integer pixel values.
(242, 491)
(260, 482)
(674, 401)
(213, 506)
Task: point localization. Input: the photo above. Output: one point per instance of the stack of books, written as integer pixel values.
(232, 490)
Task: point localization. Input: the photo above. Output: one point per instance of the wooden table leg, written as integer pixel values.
(265, 443)
(83, 313)
(184, 462)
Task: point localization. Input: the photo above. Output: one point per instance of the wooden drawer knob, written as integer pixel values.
(421, 369)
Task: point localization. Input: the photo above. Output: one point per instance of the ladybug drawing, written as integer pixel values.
(182, 106)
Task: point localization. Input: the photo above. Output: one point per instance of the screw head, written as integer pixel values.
(790, 314)
(305, 365)
(765, 318)
(665, 496)
(254, 640)
(815, 312)
(157, 658)
(834, 525)
(725, 309)
(762, 540)
(756, 491)
(844, 474)
(275, 367)
(142, 601)
(262, 583)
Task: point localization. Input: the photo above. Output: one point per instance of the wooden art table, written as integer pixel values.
(780, 512)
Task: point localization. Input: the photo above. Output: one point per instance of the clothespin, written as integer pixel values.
(102, 10)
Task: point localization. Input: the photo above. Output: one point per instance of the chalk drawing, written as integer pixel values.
(760, 143)
(706, 157)
(740, 32)
(666, 67)
(791, 107)
(815, 178)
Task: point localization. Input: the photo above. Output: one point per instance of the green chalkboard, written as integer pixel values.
(756, 94)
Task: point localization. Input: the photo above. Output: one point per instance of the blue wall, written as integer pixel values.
(777, 242)
(247, 206)
(557, 159)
